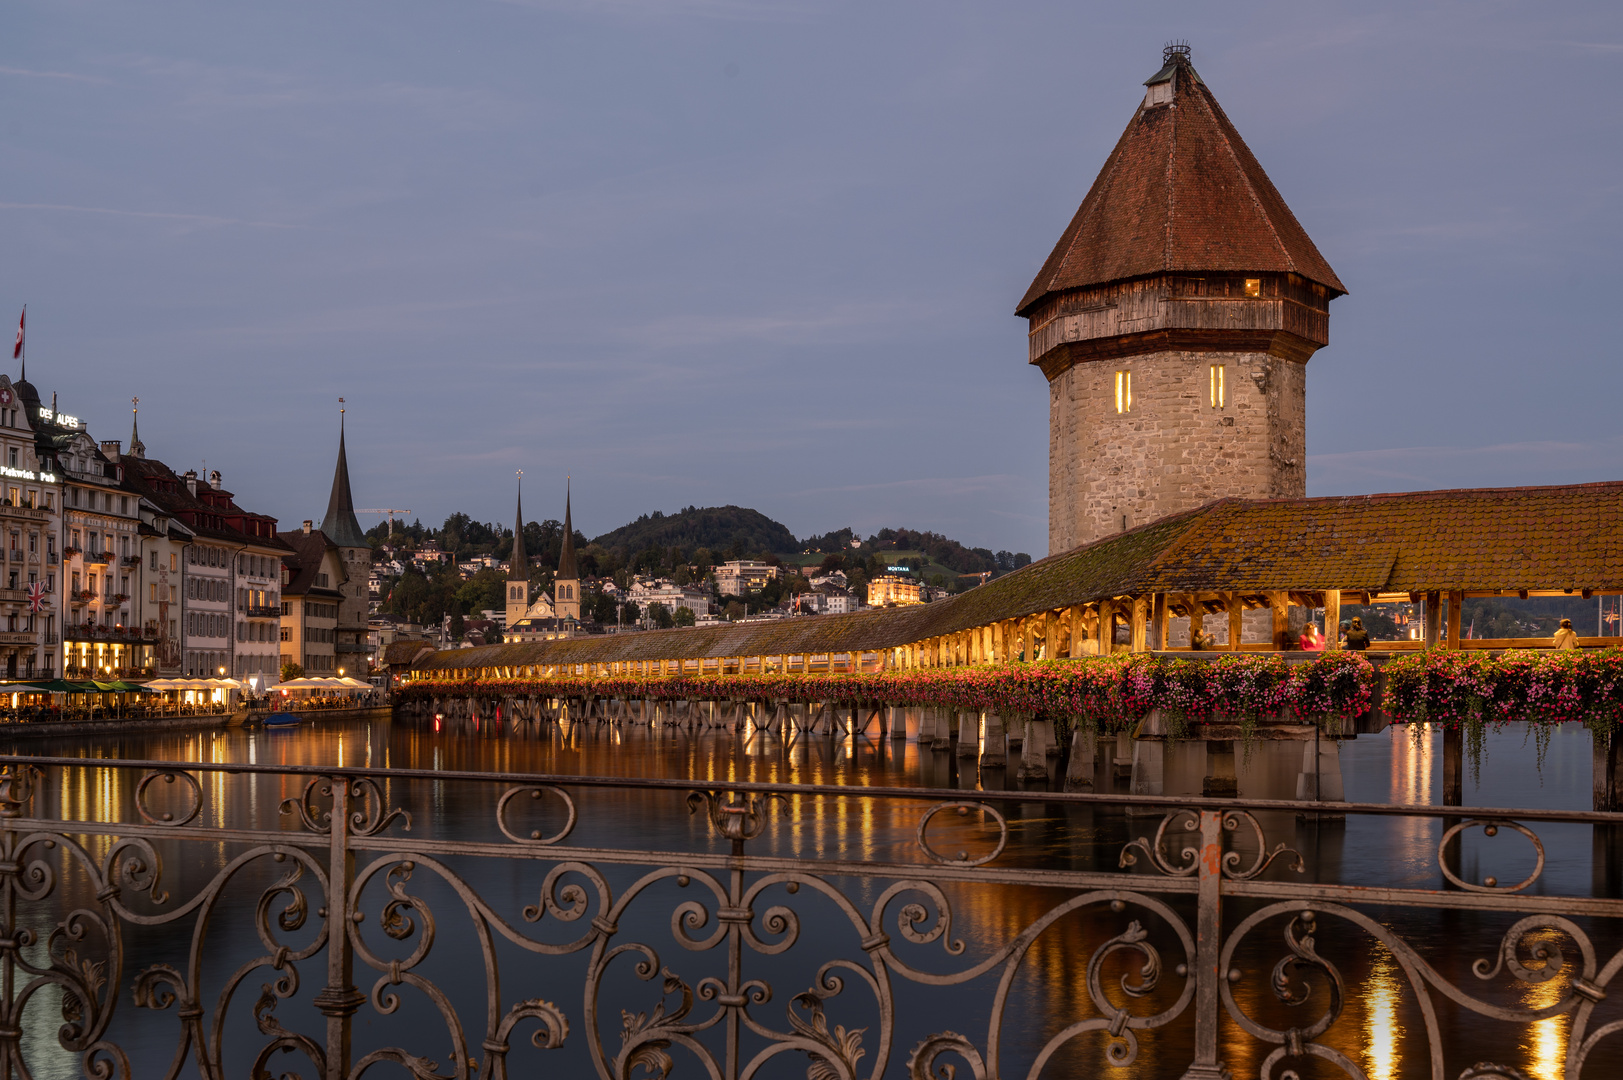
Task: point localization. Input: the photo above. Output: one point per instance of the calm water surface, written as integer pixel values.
(1378, 1030)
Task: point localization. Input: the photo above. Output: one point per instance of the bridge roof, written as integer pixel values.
(1536, 538)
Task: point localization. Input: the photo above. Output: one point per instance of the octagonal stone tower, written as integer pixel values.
(1174, 321)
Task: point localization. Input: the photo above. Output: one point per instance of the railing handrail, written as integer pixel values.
(1592, 817)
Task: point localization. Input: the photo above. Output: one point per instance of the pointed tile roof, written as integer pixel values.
(1181, 192)
(339, 523)
(518, 564)
(566, 564)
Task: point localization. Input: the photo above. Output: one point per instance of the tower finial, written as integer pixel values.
(137, 448)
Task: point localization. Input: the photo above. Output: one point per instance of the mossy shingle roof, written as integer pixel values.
(1537, 538)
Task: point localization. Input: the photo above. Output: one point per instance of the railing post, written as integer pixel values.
(339, 999)
(1208, 950)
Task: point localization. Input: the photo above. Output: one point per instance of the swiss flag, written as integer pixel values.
(17, 349)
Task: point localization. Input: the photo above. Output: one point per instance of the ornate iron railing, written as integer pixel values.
(615, 959)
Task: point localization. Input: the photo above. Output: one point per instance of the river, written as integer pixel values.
(1378, 1031)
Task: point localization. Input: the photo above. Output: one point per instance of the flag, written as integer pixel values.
(36, 596)
(17, 349)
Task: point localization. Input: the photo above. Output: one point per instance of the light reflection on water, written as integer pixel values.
(1382, 1022)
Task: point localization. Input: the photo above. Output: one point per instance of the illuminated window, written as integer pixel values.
(1253, 286)
(1124, 391)
(1219, 395)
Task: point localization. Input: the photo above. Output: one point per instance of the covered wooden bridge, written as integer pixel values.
(1131, 591)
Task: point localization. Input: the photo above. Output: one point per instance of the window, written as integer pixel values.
(50, 501)
(1219, 394)
(11, 457)
(154, 594)
(123, 504)
(287, 633)
(1124, 391)
(75, 537)
(172, 559)
(154, 566)
(1253, 286)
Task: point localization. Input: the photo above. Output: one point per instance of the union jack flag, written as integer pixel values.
(36, 596)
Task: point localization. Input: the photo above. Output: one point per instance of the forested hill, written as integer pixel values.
(725, 530)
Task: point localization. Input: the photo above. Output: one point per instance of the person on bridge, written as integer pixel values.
(1566, 637)
(1311, 640)
(1357, 636)
(1202, 641)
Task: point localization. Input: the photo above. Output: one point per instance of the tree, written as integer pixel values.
(599, 607)
(291, 671)
(629, 613)
(684, 616)
(660, 615)
(486, 590)
(736, 611)
(458, 626)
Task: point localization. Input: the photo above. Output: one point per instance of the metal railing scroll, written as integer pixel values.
(154, 931)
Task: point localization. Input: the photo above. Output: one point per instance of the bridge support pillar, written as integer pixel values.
(969, 733)
(1079, 770)
(941, 736)
(1149, 774)
(995, 752)
(898, 722)
(1033, 750)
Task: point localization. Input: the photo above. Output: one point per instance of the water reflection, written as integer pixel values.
(1382, 1029)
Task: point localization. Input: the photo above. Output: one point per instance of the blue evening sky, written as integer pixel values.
(767, 253)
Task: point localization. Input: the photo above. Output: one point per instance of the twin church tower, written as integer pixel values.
(1174, 321)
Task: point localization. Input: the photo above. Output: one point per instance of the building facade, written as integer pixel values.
(312, 602)
(30, 494)
(1174, 321)
(742, 576)
(889, 589)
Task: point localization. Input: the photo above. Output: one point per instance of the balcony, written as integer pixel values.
(29, 512)
(52, 558)
(128, 635)
(17, 555)
(98, 558)
(130, 560)
(53, 638)
(263, 611)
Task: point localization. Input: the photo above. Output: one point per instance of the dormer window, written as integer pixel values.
(1158, 94)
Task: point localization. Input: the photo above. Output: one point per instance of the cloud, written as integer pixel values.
(1496, 464)
(720, 10)
(201, 219)
(933, 485)
(794, 327)
(68, 75)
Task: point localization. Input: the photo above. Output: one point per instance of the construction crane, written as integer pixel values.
(388, 514)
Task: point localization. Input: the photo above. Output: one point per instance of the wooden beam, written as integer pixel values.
(1332, 619)
(1158, 621)
(1050, 636)
(1456, 605)
(1236, 614)
(1107, 627)
(1279, 604)
(1141, 623)
(1434, 611)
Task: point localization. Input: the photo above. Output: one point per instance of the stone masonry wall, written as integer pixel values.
(1172, 451)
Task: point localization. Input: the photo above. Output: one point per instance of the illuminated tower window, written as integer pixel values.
(1219, 395)
(1124, 391)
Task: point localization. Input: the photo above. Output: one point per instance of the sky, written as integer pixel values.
(768, 253)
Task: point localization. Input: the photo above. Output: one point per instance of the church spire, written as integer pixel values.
(340, 524)
(566, 564)
(137, 447)
(518, 566)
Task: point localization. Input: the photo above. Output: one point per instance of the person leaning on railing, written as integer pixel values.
(1566, 637)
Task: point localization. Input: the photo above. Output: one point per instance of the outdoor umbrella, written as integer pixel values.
(130, 688)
